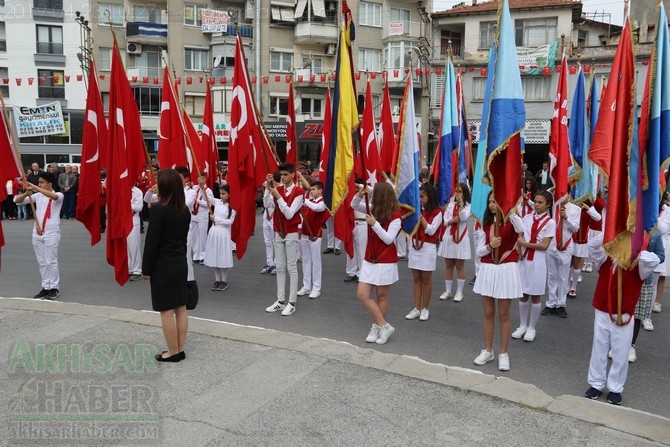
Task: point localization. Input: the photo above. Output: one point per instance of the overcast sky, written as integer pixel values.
(613, 7)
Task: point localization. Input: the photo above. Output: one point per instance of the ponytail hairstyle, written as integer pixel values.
(226, 188)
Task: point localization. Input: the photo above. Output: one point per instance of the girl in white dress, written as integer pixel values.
(219, 251)
(663, 270)
(539, 230)
(422, 251)
(455, 246)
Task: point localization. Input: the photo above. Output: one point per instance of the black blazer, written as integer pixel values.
(165, 243)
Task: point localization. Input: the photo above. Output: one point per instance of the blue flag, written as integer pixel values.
(480, 188)
(586, 186)
(407, 180)
(449, 137)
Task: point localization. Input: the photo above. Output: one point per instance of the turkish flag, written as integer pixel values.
(371, 166)
(249, 155)
(194, 152)
(171, 133)
(209, 141)
(125, 139)
(291, 136)
(386, 135)
(93, 156)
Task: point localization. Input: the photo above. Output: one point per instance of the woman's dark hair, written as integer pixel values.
(226, 188)
(533, 185)
(171, 189)
(489, 217)
(466, 192)
(548, 198)
(431, 193)
(664, 197)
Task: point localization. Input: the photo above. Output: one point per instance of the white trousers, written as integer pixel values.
(268, 237)
(46, 252)
(360, 241)
(608, 336)
(286, 258)
(134, 250)
(333, 242)
(198, 234)
(311, 263)
(558, 276)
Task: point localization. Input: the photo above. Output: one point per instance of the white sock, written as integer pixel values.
(523, 313)
(534, 314)
(459, 285)
(574, 278)
(447, 285)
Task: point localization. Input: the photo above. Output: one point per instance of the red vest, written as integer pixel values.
(376, 251)
(421, 232)
(581, 236)
(313, 221)
(287, 226)
(599, 205)
(605, 296)
(508, 236)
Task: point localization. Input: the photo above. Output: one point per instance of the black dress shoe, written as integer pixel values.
(328, 251)
(548, 311)
(182, 354)
(336, 251)
(173, 358)
(351, 278)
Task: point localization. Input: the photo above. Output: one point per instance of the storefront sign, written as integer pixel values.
(46, 119)
(221, 131)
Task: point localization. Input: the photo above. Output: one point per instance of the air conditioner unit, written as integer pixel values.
(331, 49)
(134, 48)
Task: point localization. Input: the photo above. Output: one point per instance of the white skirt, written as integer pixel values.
(500, 281)
(534, 275)
(666, 264)
(424, 259)
(451, 250)
(580, 250)
(219, 250)
(380, 274)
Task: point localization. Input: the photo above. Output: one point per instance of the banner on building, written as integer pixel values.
(533, 60)
(214, 21)
(41, 120)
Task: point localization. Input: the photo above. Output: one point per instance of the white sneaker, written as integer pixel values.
(503, 362)
(384, 334)
(445, 296)
(609, 354)
(484, 357)
(414, 313)
(530, 334)
(656, 308)
(425, 313)
(304, 291)
(458, 297)
(647, 325)
(275, 307)
(632, 356)
(373, 335)
(519, 332)
(579, 279)
(588, 267)
(315, 294)
(288, 310)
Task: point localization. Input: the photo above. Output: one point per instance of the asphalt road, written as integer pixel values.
(556, 362)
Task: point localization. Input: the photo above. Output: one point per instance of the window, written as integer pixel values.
(487, 34)
(376, 104)
(48, 4)
(278, 106)
(536, 88)
(281, 61)
(3, 37)
(401, 15)
(149, 64)
(315, 64)
(535, 32)
(193, 14)
(105, 59)
(222, 100)
(369, 60)
(147, 14)
(582, 38)
(311, 107)
(282, 14)
(194, 104)
(370, 14)
(4, 74)
(148, 100)
(455, 39)
(109, 12)
(397, 54)
(195, 59)
(51, 84)
(49, 39)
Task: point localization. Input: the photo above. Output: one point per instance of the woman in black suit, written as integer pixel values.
(164, 262)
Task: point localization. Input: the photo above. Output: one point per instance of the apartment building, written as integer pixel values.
(39, 42)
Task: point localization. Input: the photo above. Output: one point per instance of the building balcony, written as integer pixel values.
(147, 33)
(315, 32)
(304, 77)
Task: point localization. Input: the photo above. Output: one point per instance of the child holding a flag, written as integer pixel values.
(219, 251)
(314, 214)
(422, 252)
(380, 267)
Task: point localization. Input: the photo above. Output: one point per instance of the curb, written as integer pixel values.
(634, 422)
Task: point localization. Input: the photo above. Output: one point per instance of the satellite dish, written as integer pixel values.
(217, 61)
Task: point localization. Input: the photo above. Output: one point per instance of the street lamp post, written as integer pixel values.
(85, 54)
